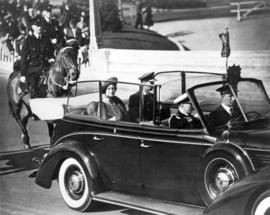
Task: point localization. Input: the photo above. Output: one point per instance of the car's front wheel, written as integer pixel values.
(218, 171)
(75, 184)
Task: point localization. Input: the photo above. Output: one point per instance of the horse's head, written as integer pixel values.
(70, 59)
(64, 71)
(72, 73)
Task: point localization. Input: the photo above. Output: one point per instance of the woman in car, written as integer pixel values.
(113, 107)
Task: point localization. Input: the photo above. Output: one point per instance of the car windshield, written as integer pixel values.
(171, 85)
(219, 106)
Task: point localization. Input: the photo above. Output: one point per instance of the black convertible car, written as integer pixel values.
(147, 164)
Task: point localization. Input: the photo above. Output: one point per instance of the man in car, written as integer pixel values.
(185, 117)
(225, 111)
(148, 99)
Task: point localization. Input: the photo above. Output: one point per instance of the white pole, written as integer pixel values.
(92, 21)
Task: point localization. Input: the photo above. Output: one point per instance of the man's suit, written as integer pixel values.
(219, 117)
(134, 101)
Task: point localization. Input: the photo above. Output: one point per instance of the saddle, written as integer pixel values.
(24, 88)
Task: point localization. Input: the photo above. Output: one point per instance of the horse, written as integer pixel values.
(55, 82)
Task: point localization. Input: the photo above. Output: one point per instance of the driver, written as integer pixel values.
(225, 111)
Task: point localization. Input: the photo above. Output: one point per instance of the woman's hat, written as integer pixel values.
(111, 80)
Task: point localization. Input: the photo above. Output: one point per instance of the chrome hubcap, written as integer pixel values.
(224, 178)
(219, 175)
(75, 182)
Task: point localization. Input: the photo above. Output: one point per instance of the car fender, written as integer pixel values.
(63, 150)
(236, 151)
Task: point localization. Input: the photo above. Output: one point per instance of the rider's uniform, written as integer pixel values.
(32, 62)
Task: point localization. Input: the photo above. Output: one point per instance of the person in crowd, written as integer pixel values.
(40, 5)
(52, 34)
(11, 33)
(32, 58)
(226, 110)
(148, 21)
(25, 29)
(12, 8)
(148, 99)
(185, 117)
(73, 32)
(139, 19)
(113, 107)
(31, 13)
(65, 16)
(82, 21)
(85, 36)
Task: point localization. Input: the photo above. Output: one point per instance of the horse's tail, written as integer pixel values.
(14, 102)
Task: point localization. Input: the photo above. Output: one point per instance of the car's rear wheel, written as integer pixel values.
(218, 171)
(262, 204)
(75, 184)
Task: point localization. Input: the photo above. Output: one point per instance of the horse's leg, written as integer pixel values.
(25, 135)
(24, 116)
(50, 129)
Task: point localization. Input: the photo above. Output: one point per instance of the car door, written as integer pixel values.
(169, 163)
(112, 143)
(118, 155)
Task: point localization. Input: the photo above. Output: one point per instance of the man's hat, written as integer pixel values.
(36, 21)
(112, 80)
(182, 99)
(225, 89)
(48, 8)
(149, 77)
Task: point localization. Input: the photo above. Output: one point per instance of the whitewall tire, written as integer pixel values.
(74, 184)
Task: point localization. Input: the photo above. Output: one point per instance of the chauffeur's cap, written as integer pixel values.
(182, 99)
(147, 77)
(225, 89)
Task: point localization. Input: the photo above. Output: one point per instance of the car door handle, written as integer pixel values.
(97, 138)
(145, 145)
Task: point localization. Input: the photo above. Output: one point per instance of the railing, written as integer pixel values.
(244, 8)
(5, 55)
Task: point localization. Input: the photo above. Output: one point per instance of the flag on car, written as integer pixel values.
(225, 38)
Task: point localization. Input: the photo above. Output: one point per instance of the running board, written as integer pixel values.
(147, 204)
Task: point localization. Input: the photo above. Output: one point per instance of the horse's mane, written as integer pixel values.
(62, 61)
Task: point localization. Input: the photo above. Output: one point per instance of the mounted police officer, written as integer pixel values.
(51, 33)
(32, 58)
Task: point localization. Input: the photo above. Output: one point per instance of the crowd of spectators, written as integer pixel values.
(16, 17)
